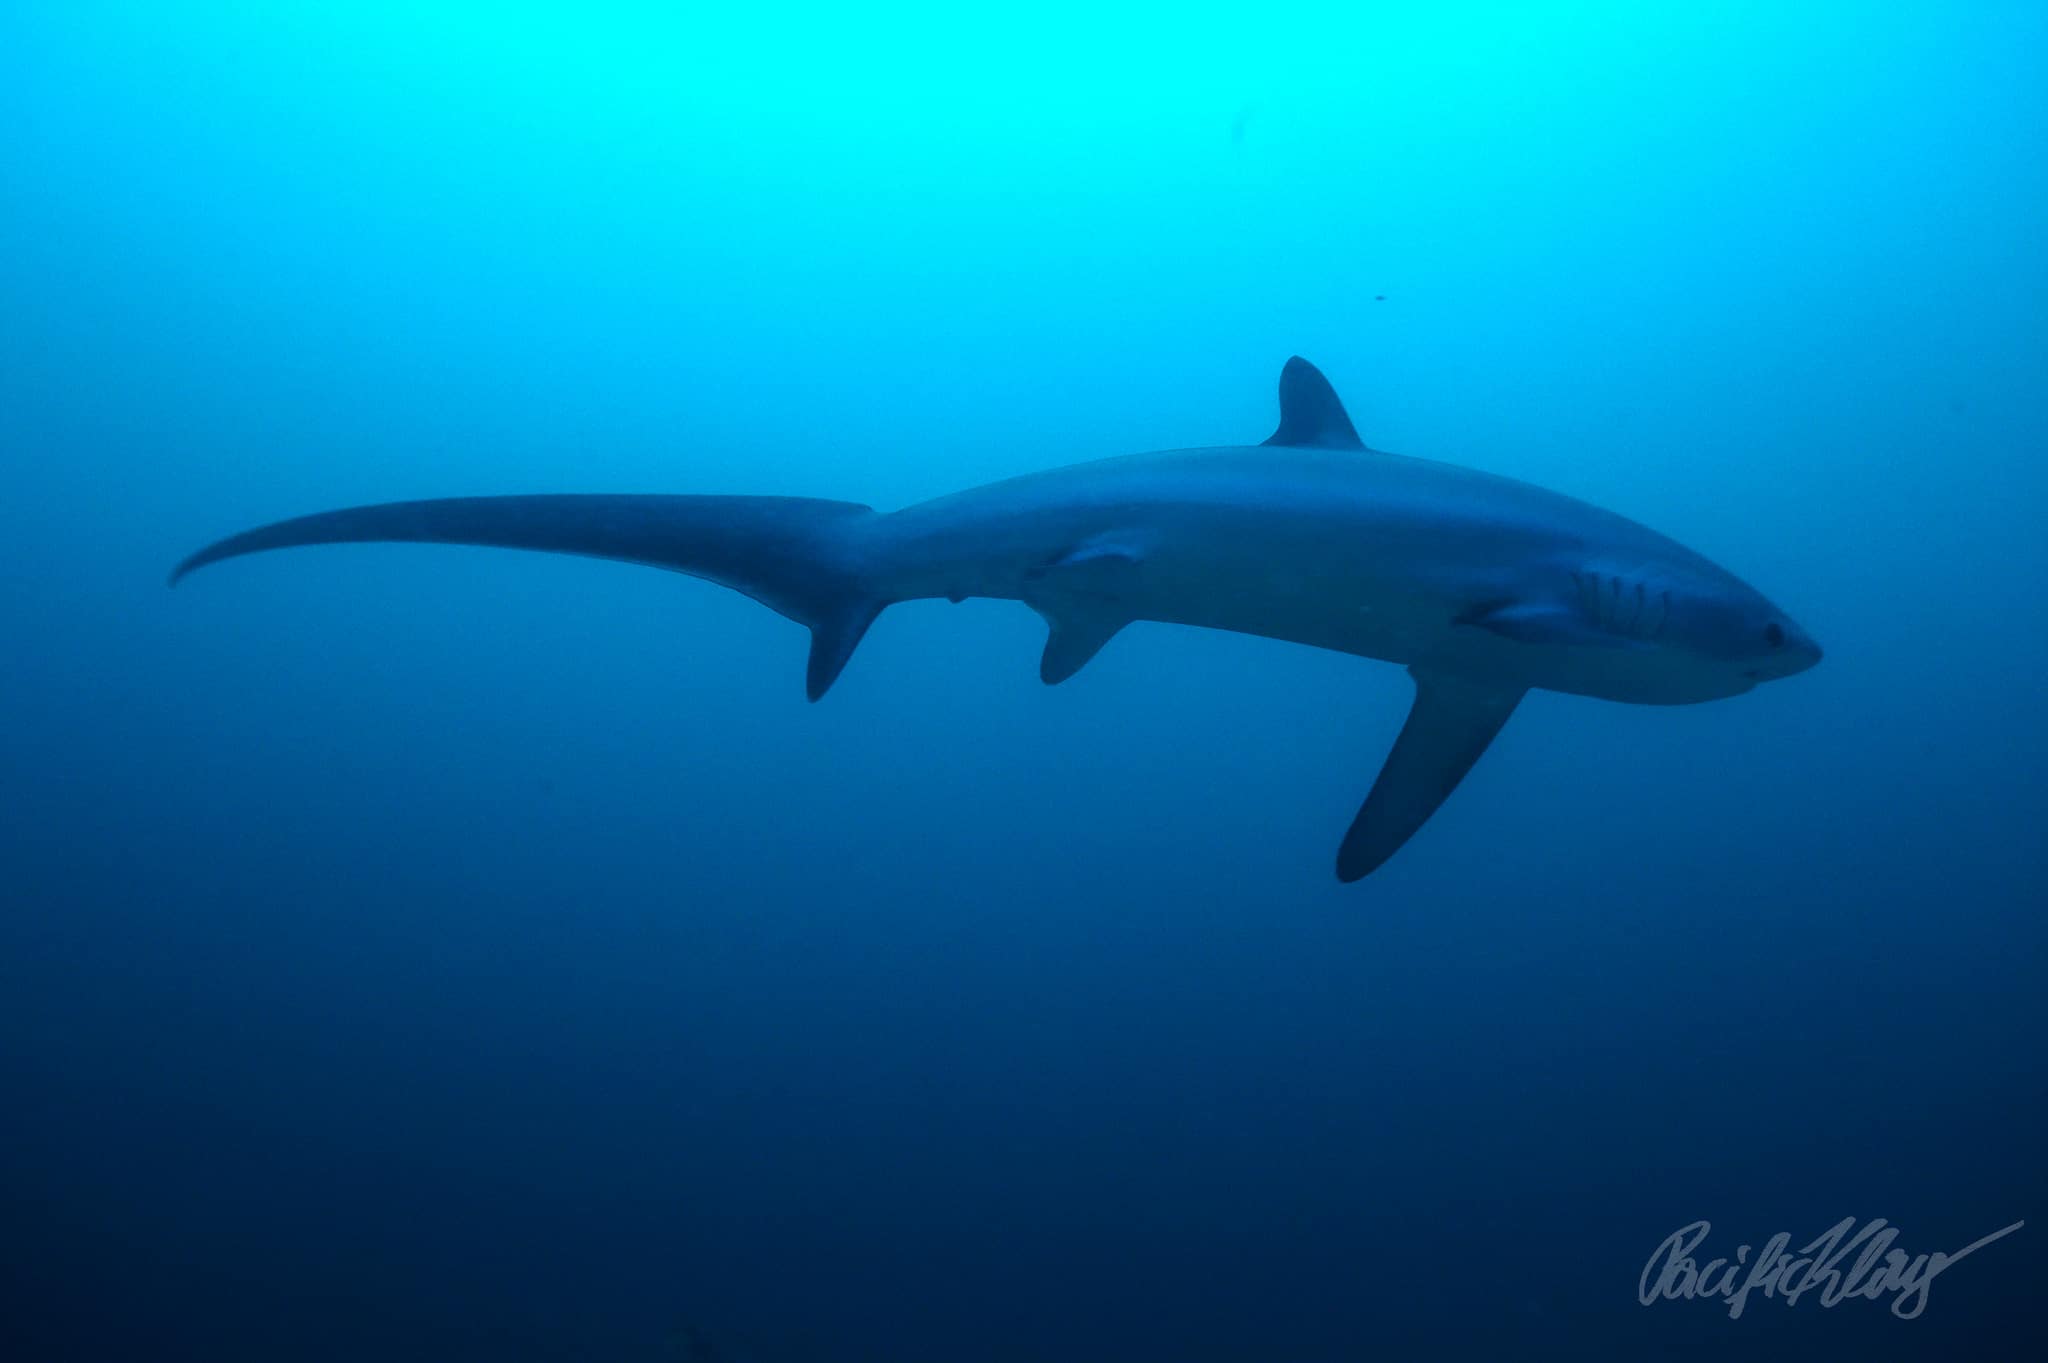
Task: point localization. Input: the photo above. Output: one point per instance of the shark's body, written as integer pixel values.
(1482, 586)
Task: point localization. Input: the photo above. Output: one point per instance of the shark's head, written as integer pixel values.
(1725, 626)
(1667, 630)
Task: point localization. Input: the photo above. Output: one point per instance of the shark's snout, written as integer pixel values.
(1793, 650)
(1801, 650)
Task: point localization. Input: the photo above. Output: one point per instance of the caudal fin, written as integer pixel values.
(799, 556)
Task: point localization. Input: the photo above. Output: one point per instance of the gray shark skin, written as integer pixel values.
(1483, 587)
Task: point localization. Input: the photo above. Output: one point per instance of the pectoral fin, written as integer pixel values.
(1449, 725)
(1559, 623)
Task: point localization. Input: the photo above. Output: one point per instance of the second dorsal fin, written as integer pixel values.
(1310, 413)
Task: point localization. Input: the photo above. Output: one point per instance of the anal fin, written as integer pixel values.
(1449, 726)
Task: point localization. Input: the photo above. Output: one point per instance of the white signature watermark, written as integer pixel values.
(1876, 1268)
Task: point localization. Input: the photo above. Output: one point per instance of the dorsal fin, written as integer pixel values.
(1310, 413)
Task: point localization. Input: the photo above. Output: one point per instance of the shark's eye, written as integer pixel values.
(1774, 634)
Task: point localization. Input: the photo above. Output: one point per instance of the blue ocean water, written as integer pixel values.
(432, 953)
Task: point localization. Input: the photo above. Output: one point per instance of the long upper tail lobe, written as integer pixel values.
(799, 556)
